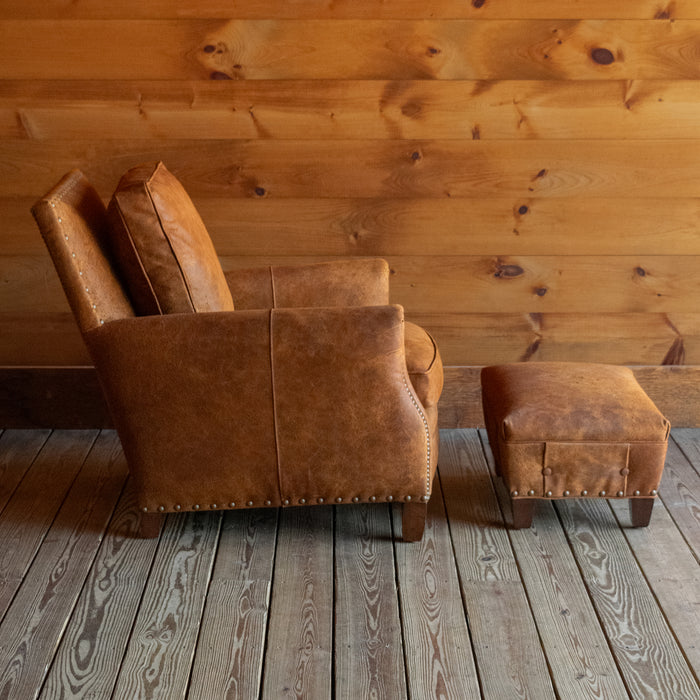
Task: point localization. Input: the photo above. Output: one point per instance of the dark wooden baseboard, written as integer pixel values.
(70, 397)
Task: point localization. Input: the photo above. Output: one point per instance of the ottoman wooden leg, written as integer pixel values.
(413, 521)
(522, 512)
(640, 511)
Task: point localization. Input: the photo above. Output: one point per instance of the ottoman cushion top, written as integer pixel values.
(571, 402)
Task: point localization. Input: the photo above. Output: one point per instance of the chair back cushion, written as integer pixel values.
(166, 257)
(73, 222)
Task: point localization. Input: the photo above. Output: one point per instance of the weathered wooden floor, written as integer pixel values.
(327, 602)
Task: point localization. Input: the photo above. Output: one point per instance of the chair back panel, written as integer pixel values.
(73, 222)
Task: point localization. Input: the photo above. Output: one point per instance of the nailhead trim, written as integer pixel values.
(58, 197)
(426, 427)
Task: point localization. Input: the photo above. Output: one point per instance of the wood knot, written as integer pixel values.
(641, 271)
(478, 3)
(523, 209)
(416, 155)
(218, 75)
(432, 51)
(603, 57)
(508, 271)
(540, 291)
(260, 191)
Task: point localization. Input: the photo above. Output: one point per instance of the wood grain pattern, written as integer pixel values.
(26, 518)
(671, 572)
(439, 662)
(87, 661)
(646, 652)
(680, 487)
(357, 49)
(35, 621)
(159, 656)
(40, 110)
(229, 658)
(661, 168)
(340, 9)
(18, 449)
(301, 617)
(504, 637)
(369, 662)
(459, 284)
(577, 652)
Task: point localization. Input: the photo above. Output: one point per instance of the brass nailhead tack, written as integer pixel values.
(286, 501)
(602, 493)
(161, 508)
(196, 506)
(356, 499)
(373, 498)
(389, 498)
(653, 492)
(232, 504)
(144, 509)
(636, 493)
(408, 498)
(514, 493)
(250, 503)
(584, 492)
(566, 493)
(177, 506)
(302, 501)
(268, 502)
(321, 500)
(620, 493)
(425, 499)
(624, 471)
(339, 499)
(213, 506)
(531, 492)
(549, 493)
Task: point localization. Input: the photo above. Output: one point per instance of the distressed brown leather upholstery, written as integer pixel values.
(572, 430)
(162, 247)
(293, 398)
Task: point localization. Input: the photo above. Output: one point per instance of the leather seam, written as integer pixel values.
(274, 405)
(426, 427)
(147, 187)
(272, 288)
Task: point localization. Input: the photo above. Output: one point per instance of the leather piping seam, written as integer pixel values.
(274, 406)
(147, 187)
(272, 288)
(426, 427)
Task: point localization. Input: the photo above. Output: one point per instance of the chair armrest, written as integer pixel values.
(353, 282)
(277, 406)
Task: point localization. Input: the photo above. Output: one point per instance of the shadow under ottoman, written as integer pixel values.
(573, 430)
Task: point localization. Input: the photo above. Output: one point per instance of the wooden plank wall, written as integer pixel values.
(531, 170)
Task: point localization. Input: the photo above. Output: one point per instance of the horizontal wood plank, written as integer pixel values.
(350, 9)
(349, 49)
(45, 110)
(372, 168)
(459, 284)
(389, 227)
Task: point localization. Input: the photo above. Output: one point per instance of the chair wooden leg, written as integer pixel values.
(150, 525)
(523, 509)
(640, 511)
(413, 521)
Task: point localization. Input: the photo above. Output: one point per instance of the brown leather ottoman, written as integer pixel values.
(573, 430)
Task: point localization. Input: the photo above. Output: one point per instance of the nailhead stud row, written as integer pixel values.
(549, 494)
(286, 502)
(56, 198)
(426, 427)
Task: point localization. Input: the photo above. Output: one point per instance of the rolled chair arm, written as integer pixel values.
(267, 407)
(353, 282)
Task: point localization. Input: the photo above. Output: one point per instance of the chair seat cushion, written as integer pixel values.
(423, 363)
(161, 246)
